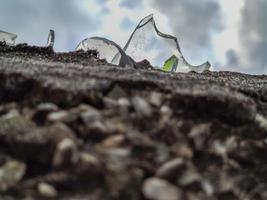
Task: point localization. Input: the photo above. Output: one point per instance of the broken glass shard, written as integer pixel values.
(8, 38)
(107, 50)
(51, 38)
(162, 50)
(171, 64)
(145, 43)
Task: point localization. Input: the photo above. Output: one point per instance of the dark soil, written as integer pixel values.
(75, 127)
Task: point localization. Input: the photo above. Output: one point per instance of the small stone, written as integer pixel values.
(14, 128)
(208, 188)
(261, 121)
(59, 132)
(165, 110)
(59, 116)
(162, 153)
(11, 114)
(88, 165)
(66, 153)
(156, 99)
(182, 150)
(117, 158)
(199, 130)
(116, 93)
(90, 116)
(96, 131)
(42, 111)
(10, 174)
(127, 184)
(115, 126)
(231, 144)
(166, 113)
(124, 102)
(139, 139)
(47, 190)
(171, 168)
(81, 108)
(5, 108)
(110, 103)
(89, 159)
(47, 107)
(159, 189)
(219, 148)
(199, 135)
(113, 141)
(189, 177)
(141, 107)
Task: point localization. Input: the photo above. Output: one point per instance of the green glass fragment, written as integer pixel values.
(171, 64)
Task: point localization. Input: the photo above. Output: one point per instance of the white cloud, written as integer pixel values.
(111, 22)
(228, 39)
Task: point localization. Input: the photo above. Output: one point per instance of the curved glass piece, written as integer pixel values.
(8, 38)
(51, 38)
(107, 50)
(147, 42)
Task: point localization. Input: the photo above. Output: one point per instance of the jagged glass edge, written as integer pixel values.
(124, 60)
(145, 20)
(150, 18)
(12, 36)
(51, 38)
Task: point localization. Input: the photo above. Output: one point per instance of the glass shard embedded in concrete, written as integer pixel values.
(8, 38)
(147, 42)
(171, 64)
(51, 38)
(106, 49)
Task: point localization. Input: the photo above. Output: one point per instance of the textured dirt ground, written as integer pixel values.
(74, 127)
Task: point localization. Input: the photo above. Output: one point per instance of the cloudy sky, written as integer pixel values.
(231, 34)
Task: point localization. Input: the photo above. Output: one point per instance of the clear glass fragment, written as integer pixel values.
(107, 50)
(51, 38)
(162, 50)
(8, 38)
(145, 43)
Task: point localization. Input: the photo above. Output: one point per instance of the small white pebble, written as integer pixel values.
(156, 99)
(66, 152)
(47, 190)
(159, 189)
(165, 110)
(57, 116)
(124, 102)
